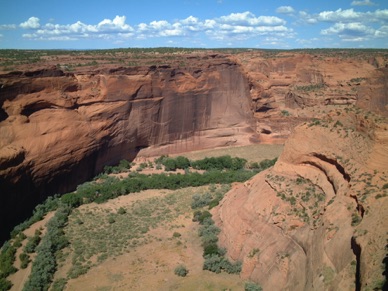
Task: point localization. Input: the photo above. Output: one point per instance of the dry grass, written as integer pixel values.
(140, 249)
(252, 153)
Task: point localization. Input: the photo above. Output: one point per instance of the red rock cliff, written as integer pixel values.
(58, 130)
(317, 220)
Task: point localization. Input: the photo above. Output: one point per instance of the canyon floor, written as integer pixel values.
(146, 262)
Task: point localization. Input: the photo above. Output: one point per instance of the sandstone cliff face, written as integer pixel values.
(288, 87)
(58, 130)
(316, 221)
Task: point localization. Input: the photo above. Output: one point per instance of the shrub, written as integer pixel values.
(216, 263)
(72, 199)
(169, 164)
(214, 203)
(214, 256)
(199, 201)
(24, 260)
(285, 113)
(7, 258)
(5, 284)
(200, 216)
(250, 286)
(124, 164)
(211, 248)
(182, 162)
(181, 271)
(356, 219)
(219, 163)
(121, 211)
(59, 284)
(208, 230)
(33, 242)
(176, 234)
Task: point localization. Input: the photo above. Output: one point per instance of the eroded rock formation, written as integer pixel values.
(316, 221)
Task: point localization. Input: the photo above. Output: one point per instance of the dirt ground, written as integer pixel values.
(151, 266)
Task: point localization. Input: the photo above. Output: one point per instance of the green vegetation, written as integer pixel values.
(221, 170)
(285, 113)
(123, 166)
(251, 286)
(96, 239)
(314, 122)
(50, 204)
(45, 265)
(312, 198)
(181, 271)
(356, 219)
(219, 163)
(33, 242)
(7, 257)
(311, 87)
(215, 260)
(59, 284)
(24, 260)
(357, 80)
(253, 252)
(87, 232)
(171, 164)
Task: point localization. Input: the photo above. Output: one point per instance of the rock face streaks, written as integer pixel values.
(58, 129)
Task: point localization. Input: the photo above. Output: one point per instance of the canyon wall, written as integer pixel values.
(317, 219)
(60, 129)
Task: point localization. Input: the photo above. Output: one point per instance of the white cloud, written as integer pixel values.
(117, 24)
(345, 15)
(249, 19)
(305, 17)
(363, 3)
(339, 15)
(381, 15)
(78, 30)
(31, 23)
(350, 31)
(382, 32)
(7, 26)
(232, 27)
(285, 10)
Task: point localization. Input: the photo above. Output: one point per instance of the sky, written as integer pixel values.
(271, 24)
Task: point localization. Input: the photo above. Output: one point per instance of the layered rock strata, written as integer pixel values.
(59, 129)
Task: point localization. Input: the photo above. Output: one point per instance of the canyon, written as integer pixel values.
(63, 118)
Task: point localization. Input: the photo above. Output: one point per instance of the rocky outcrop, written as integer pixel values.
(290, 86)
(59, 129)
(316, 221)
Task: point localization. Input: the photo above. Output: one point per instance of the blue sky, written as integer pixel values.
(100, 24)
